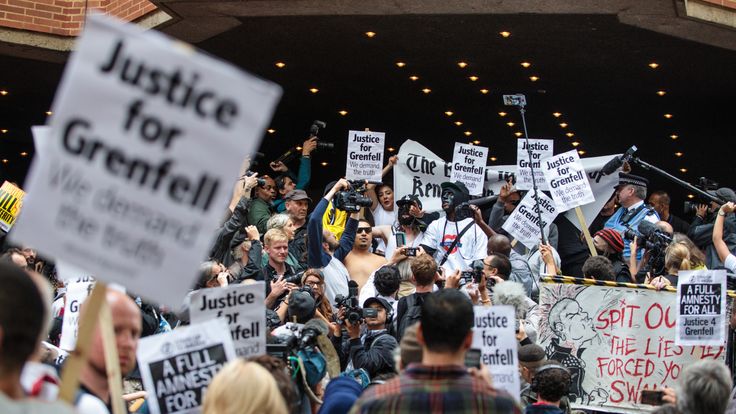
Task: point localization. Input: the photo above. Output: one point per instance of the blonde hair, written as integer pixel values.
(274, 235)
(243, 387)
(677, 257)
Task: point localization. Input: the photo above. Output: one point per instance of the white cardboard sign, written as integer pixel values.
(177, 366)
(146, 141)
(241, 306)
(469, 166)
(567, 180)
(540, 149)
(365, 155)
(494, 333)
(701, 308)
(77, 291)
(523, 223)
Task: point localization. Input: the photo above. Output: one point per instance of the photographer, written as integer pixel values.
(221, 250)
(261, 206)
(286, 181)
(724, 253)
(701, 229)
(371, 350)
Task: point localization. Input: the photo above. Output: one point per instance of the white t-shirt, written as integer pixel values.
(391, 245)
(730, 263)
(441, 233)
(381, 217)
(336, 280)
(31, 405)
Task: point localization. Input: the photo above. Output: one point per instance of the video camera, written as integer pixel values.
(292, 152)
(475, 275)
(704, 184)
(353, 312)
(654, 239)
(354, 199)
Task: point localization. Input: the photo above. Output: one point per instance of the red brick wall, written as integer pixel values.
(65, 17)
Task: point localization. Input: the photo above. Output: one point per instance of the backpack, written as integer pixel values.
(413, 314)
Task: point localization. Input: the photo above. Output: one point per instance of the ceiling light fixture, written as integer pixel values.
(484, 91)
(449, 113)
(581, 152)
(468, 133)
(5, 161)
(674, 136)
(458, 123)
(668, 116)
(563, 124)
(494, 159)
(518, 133)
(575, 143)
(324, 163)
(3, 92)
(271, 130)
(654, 65)
(426, 90)
(505, 33)
(473, 78)
(23, 154)
(49, 113)
(679, 154)
(313, 90)
(525, 64)
(462, 64)
(414, 78)
(534, 78)
(690, 196)
(370, 34)
(400, 64)
(661, 93)
(4, 131)
(683, 170)
(510, 124)
(502, 114)
(391, 149)
(343, 112)
(556, 114)
(476, 142)
(280, 65)
(570, 134)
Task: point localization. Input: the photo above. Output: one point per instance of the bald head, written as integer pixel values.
(499, 244)
(665, 227)
(126, 320)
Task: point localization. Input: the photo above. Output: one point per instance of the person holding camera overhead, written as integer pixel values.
(701, 229)
(368, 344)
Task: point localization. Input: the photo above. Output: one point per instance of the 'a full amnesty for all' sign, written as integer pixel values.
(701, 311)
(540, 149)
(11, 200)
(242, 307)
(365, 155)
(469, 166)
(177, 366)
(494, 333)
(567, 181)
(128, 189)
(523, 223)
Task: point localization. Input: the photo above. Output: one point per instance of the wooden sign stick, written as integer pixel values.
(584, 227)
(78, 358)
(112, 363)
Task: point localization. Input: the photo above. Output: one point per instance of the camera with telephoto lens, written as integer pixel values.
(314, 131)
(654, 240)
(353, 312)
(352, 200)
(296, 279)
(261, 181)
(705, 184)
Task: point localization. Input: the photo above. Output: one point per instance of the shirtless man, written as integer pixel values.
(361, 262)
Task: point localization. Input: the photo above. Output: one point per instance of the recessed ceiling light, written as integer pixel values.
(271, 130)
(23, 154)
(3, 92)
(668, 116)
(556, 114)
(575, 143)
(494, 159)
(473, 78)
(343, 112)
(426, 90)
(563, 124)
(525, 64)
(458, 123)
(690, 196)
(4, 131)
(280, 65)
(298, 148)
(502, 114)
(534, 78)
(391, 149)
(510, 124)
(661, 93)
(462, 64)
(683, 170)
(476, 142)
(370, 34)
(414, 77)
(518, 133)
(570, 134)
(400, 64)
(5, 161)
(49, 113)
(678, 154)
(654, 65)
(581, 152)
(468, 133)
(324, 163)
(484, 91)
(313, 90)
(505, 33)
(449, 113)
(674, 136)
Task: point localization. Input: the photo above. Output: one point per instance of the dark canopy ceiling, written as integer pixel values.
(591, 68)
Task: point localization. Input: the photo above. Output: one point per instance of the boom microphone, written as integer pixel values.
(617, 162)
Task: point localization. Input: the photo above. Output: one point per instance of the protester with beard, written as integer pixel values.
(455, 242)
(261, 206)
(406, 223)
(361, 262)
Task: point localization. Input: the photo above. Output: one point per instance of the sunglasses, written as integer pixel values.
(365, 230)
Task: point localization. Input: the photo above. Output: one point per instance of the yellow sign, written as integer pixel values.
(11, 200)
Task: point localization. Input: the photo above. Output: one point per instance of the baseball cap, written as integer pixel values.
(382, 301)
(301, 305)
(409, 199)
(724, 193)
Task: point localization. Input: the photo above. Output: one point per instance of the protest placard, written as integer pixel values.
(615, 341)
(469, 166)
(77, 291)
(242, 307)
(540, 149)
(11, 201)
(523, 222)
(365, 155)
(176, 367)
(567, 181)
(494, 333)
(145, 144)
(701, 314)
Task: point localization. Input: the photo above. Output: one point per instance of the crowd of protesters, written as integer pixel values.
(389, 283)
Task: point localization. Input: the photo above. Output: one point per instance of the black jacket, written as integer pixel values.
(375, 356)
(221, 248)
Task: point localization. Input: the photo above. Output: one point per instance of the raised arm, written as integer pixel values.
(718, 242)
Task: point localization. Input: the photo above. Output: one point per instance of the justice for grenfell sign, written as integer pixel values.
(145, 143)
(567, 181)
(539, 150)
(365, 155)
(469, 166)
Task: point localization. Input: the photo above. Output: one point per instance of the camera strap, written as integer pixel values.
(454, 242)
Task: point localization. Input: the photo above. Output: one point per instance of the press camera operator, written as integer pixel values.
(701, 228)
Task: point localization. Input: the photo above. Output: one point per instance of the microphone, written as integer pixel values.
(313, 329)
(646, 228)
(483, 200)
(617, 162)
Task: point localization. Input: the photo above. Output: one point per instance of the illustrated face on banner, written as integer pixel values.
(571, 323)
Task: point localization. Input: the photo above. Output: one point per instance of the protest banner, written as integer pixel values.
(176, 367)
(523, 222)
(616, 341)
(242, 307)
(567, 181)
(469, 166)
(11, 201)
(494, 333)
(701, 311)
(420, 172)
(77, 291)
(540, 149)
(365, 155)
(128, 189)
